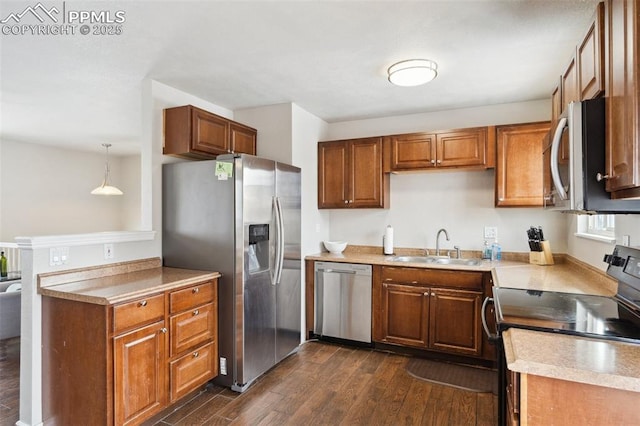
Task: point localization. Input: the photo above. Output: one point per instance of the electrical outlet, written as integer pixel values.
(223, 366)
(626, 240)
(108, 251)
(491, 232)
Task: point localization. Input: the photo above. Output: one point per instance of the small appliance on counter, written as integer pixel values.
(540, 253)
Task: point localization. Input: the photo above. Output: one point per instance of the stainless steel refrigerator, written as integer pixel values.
(240, 215)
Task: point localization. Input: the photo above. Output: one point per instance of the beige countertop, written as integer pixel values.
(591, 361)
(114, 284)
(599, 362)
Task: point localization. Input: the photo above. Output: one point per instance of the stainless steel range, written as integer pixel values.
(601, 317)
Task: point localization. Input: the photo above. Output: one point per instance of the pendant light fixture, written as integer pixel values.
(106, 188)
(412, 72)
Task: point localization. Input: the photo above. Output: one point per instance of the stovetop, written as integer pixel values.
(613, 318)
(569, 313)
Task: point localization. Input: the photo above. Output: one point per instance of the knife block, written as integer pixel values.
(543, 257)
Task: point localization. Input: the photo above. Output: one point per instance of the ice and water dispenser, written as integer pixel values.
(258, 248)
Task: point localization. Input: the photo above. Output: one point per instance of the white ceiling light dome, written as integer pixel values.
(412, 72)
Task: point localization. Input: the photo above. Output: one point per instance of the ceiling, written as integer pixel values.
(328, 57)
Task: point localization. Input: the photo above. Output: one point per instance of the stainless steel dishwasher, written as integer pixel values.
(343, 301)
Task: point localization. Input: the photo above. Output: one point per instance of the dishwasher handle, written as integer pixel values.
(338, 271)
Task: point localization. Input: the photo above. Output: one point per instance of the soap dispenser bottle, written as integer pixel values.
(486, 250)
(496, 251)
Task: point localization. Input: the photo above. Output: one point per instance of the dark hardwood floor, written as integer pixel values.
(322, 384)
(325, 384)
(9, 381)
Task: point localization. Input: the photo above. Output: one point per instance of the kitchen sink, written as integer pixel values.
(439, 260)
(469, 262)
(414, 259)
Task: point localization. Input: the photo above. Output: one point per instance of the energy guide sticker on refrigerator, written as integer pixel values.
(240, 215)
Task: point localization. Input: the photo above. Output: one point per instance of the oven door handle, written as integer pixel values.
(492, 337)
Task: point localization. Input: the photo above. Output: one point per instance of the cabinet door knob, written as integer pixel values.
(346, 201)
(196, 312)
(426, 293)
(163, 330)
(195, 290)
(439, 161)
(433, 161)
(195, 354)
(600, 177)
(143, 303)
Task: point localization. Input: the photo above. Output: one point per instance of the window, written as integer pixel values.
(599, 227)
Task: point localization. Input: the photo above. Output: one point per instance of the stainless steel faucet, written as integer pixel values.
(446, 234)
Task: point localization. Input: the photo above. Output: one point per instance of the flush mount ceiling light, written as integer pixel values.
(106, 188)
(412, 72)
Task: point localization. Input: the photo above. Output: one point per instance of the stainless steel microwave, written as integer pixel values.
(574, 162)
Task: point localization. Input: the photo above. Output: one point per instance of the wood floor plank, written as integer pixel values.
(415, 403)
(260, 409)
(204, 412)
(463, 408)
(486, 409)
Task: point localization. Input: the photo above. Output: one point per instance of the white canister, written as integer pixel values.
(387, 240)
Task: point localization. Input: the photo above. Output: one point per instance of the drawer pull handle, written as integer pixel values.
(195, 290)
(195, 354)
(196, 312)
(163, 329)
(143, 303)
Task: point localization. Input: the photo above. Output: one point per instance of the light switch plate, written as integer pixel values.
(108, 251)
(58, 256)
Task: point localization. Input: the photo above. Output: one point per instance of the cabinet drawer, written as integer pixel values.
(191, 297)
(138, 312)
(432, 277)
(192, 327)
(193, 370)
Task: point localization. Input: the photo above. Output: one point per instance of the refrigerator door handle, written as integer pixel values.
(279, 260)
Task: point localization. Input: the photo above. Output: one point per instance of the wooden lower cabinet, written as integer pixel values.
(405, 311)
(121, 364)
(413, 307)
(543, 401)
(454, 321)
(140, 375)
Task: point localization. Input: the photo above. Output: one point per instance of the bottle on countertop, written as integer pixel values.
(486, 250)
(496, 251)
(3, 265)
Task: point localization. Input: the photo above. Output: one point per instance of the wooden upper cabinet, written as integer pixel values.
(461, 148)
(195, 133)
(590, 57)
(519, 165)
(350, 174)
(209, 133)
(242, 138)
(413, 151)
(569, 83)
(556, 104)
(465, 148)
(622, 109)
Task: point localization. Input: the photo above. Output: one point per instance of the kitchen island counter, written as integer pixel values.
(577, 359)
(115, 283)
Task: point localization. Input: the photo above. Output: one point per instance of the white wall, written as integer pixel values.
(45, 190)
(592, 252)
(274, 123)
(307, 131)
(462, 202)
